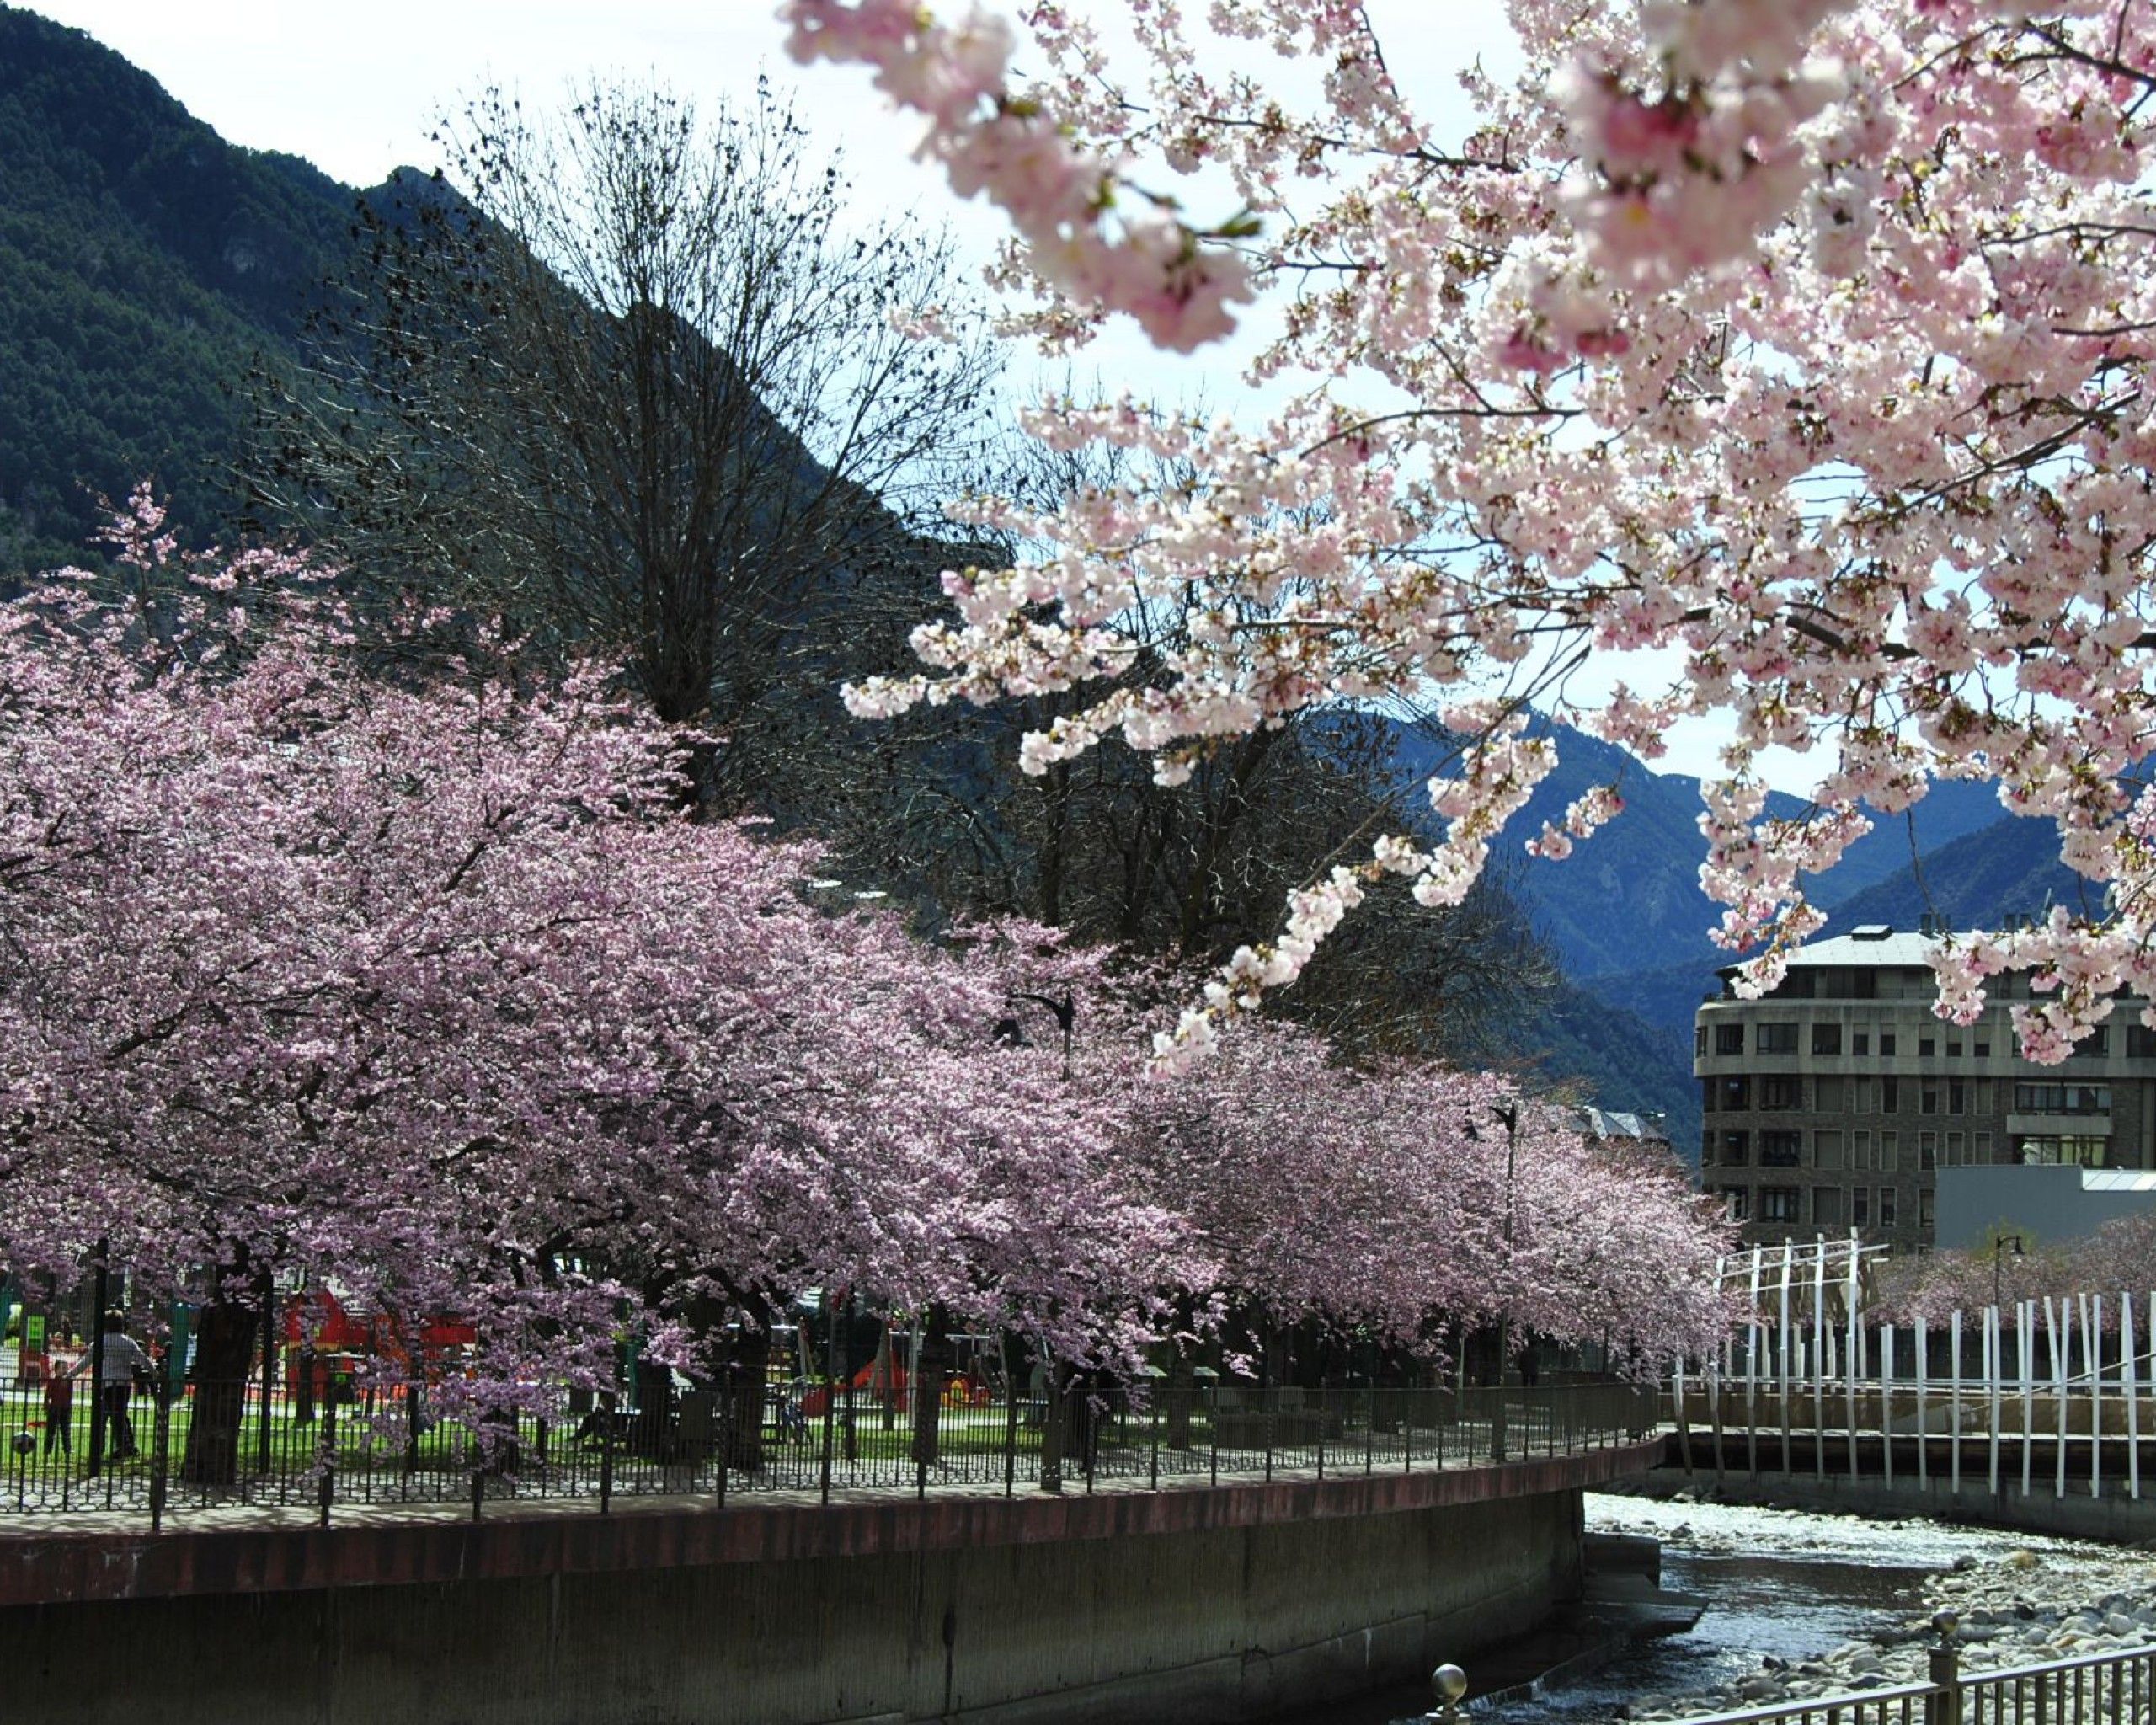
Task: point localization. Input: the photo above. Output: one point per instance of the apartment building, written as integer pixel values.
(1834, 1101)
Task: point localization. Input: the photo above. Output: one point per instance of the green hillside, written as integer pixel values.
(146, 263)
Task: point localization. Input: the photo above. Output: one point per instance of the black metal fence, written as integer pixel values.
(203, 1446)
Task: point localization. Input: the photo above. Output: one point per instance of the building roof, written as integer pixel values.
(1871, 946)
(1609, 1124)
(2118, 1179)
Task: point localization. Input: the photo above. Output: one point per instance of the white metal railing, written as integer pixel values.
(2064, 1384)
(2096, 1689)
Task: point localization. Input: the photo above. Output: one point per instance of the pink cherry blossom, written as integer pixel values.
(1804, 345)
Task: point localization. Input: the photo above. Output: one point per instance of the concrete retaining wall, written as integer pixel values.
(1215, 1617)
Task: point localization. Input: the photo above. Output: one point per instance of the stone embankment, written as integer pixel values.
(2023, 1607)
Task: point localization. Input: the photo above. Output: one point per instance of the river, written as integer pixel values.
(1783, 1583)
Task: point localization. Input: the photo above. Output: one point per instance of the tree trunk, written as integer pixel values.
(652, 1435)
(746, 1372)
(883, 1382)
(224, 1350)
(1182, 1387)
(932, 1365)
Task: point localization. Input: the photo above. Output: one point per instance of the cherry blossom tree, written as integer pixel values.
(433, 993)
(1804, 344)
(1408, 1199)
(428, 988)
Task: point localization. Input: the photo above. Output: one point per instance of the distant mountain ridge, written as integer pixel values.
(1628, 899)
(1631, 928)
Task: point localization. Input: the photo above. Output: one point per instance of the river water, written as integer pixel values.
(1779, 1582)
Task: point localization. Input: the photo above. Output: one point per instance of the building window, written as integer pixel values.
(1860, 1151)
(1828, 1091)
(1826, 1206)
(1736, 1148)
(1983, 1149)
(1827, 1149)
(1927, 1149)
(1890, 1096)
(1957, 1150)
(1859, 1042)
(1699, 1038)
(1957, 1096)
(2096, 1042)
(2062, 1098)
(1953, 1048)
(1928, 1096)
(1984, 1095)
(1885, 1206)
(1780, 1204)
(1983, 1051)
(1826, 1039)
(1736, 1203)
(1889, 1152)
(2087, 1152)
(1777, 1039)
(1859, 1096)
(1925, 1212)
(1926, 1048)
(1861, 1206)
(1886, 1042)
(2140, 1042)
(1780, 1090)
(1779, 1150)
(1735, 1094)
(1729, 1038)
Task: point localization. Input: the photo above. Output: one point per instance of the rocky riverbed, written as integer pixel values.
(2021, 1601)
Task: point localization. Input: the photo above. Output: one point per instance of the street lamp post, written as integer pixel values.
(1009, 1033)
(1999, 1249)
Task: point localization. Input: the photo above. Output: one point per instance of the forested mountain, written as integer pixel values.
(143, 262)
(2011, 867)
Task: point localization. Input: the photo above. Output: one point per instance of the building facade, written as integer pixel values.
(1833, 1102)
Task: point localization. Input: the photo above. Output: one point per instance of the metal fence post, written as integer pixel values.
(270, 1376)
(1449, 1683)
(824, 1488)
(606, 1400)
(1153, 1476)
(329, 1450)
(1213, 1426)
(1943, 1706)
(161, 1442)
(722, 1433)
(1010, 1436)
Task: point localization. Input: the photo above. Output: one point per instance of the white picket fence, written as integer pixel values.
(2055, 1389)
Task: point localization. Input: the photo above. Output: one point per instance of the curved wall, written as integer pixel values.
(1169, 1608)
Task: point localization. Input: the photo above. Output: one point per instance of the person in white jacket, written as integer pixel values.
(124, 1357)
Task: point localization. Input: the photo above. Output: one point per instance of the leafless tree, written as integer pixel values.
(628, 377)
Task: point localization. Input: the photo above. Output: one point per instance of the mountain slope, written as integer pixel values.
(146, 261)
(2010, 867)
(1628, 899)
